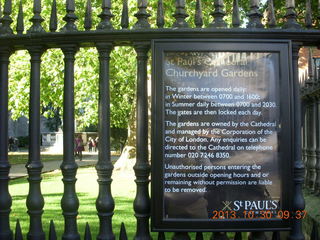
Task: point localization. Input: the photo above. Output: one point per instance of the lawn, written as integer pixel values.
(123, 189)
(22, 157)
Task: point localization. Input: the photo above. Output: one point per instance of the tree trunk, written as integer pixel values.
(128, 155)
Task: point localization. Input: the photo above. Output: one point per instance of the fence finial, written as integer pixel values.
(88, 16)
(308, 14)
(36, 19)
(70, 17)
(291, 16)
(125, 15)
(6, 20)
(254, 15)
(271, 15)
(198, 18)
(105, 15)
(53, 17)
(235, 14)
(218, 15)
(52, 231)
(180, 15)
(142, 15)
(123, 232)
(18, 232)
(20, 25)
(160, 14)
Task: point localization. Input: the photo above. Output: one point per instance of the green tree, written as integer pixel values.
(86, 70)
(122, 73)
(122, 67)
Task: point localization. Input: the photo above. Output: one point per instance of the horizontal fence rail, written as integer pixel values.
(255, 24)
(260, 22)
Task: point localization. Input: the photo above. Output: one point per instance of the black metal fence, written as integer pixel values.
(310, 131)
(37, 40)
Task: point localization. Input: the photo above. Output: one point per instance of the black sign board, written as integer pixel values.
(221, 135)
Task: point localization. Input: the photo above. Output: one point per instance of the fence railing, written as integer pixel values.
(36, 40)
(310, 90)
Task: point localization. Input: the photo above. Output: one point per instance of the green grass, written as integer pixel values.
(123, 191)
(22, 157)
(87, 190)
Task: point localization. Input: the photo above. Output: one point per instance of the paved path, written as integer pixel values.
(19, 170)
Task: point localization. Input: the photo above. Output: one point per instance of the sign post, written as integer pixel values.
(221, 136)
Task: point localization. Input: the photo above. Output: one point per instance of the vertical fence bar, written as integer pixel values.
(312, 145)
(219, 236)
(238, 236)
(5, 198)
(104, 167)
(199, 236)
(142, 167)
(308, 127)
(305, 137)
(257, 236)
(35, 201)
(312, 127)
(69, 201)
(298, 201)
(317, 183)
(181, 236)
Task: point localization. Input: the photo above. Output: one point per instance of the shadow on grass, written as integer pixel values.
(45, 178)
(87, 213)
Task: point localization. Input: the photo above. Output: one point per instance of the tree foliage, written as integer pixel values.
(122, 74)
(122, 66)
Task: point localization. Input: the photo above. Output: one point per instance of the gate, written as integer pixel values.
(37, 40)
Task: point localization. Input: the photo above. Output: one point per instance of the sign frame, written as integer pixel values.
(286, 142)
